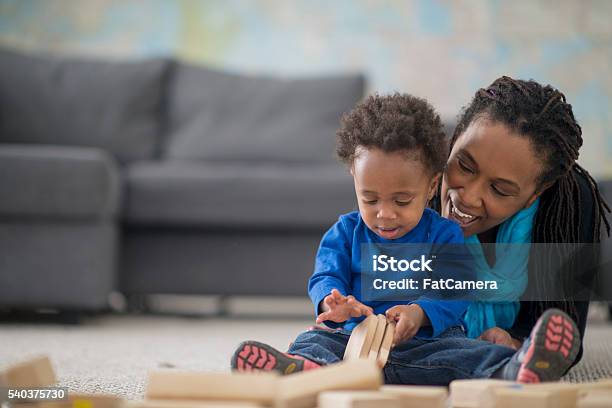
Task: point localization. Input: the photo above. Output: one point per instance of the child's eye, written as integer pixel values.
(402, 203)
(370, 202)
(463, 166)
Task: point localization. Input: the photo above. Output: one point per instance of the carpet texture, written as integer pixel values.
(112, 354)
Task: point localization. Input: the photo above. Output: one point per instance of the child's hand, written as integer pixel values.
(409, 319)
(339, 308)
(498, 335)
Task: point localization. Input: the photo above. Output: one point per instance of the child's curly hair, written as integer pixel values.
(393, 123)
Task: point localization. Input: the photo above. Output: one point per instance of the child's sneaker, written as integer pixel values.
(549, 351)
(255, 356)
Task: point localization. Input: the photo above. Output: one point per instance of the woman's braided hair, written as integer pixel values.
(542, 114)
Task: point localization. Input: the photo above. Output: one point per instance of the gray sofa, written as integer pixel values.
(156, 176)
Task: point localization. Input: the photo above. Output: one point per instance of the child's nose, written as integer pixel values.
(385, 211)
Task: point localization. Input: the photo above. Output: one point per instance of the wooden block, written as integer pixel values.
(78, 400)
(357, 399)
(467, 393)
(254, 387)
(568, 392)
(385, 347)
(381, 327)
(300, 390)
(191, 404)
(519, 396)
(360, 342)
(414, 396)
(601, 398)
(36, 372)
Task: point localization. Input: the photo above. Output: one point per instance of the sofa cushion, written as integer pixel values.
(222, 116)
(237, 196)
(83, 102)
(57, 182)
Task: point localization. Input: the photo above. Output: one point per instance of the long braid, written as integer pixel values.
(542, 114)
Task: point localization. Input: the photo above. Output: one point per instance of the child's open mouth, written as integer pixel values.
(388, 233)
(464, 219)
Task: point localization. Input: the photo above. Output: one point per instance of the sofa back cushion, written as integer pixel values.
(221, 116)
(82, 102)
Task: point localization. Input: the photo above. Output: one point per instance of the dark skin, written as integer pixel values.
(491, 175)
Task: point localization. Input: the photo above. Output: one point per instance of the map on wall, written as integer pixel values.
(441, 50)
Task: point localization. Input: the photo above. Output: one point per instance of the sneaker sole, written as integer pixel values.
(256, 356)
(554, 346)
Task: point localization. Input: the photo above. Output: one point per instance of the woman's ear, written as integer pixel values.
(537, 193)
(533, 197)
(433, 186)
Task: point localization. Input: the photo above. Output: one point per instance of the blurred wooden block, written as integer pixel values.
(381, 327)
(300, 390)
(190, 404)
(414, 396)
(94, 401)
(176, 385)
(357, 399)
(360, 342)
(468, 393)
(77, 400)
(599, 398)
(519, 396)
(385, 347)
(35, 372)
(569, 392)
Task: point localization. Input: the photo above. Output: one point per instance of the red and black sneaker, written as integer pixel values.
(255, 356)
(549, 351)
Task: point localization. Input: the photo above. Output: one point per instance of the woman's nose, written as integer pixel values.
(470, 195)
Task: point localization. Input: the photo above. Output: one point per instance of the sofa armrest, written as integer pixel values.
(58, 182)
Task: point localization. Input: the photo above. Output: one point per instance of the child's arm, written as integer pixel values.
(332, 269)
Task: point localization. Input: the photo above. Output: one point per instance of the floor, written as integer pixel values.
(113, 353)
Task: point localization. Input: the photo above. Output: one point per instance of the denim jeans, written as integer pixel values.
(432, 361)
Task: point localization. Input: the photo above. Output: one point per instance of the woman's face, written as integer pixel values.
(491, 174)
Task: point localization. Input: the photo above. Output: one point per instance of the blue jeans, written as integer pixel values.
(436, 361)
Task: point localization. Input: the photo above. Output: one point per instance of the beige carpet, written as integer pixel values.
(113, 354)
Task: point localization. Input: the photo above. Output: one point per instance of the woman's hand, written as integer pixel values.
(409, 319)
(339, 308)
(499, 336)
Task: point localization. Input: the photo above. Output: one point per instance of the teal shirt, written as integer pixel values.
(510, 266)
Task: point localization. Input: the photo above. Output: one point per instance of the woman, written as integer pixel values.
(515, 150)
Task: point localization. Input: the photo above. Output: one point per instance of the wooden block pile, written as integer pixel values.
(354, 383)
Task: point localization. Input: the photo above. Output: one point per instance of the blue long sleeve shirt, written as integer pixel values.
(338, 266)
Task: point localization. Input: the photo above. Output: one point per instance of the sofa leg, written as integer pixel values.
(137, 303)
(223, 309)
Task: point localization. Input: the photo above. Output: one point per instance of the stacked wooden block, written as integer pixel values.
(371, 339)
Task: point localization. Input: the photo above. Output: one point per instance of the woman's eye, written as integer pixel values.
(498, 192)
(463, 166)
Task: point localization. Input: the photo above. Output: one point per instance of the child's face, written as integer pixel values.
(392, 190)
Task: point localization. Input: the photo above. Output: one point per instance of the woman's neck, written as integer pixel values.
(489, 237)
